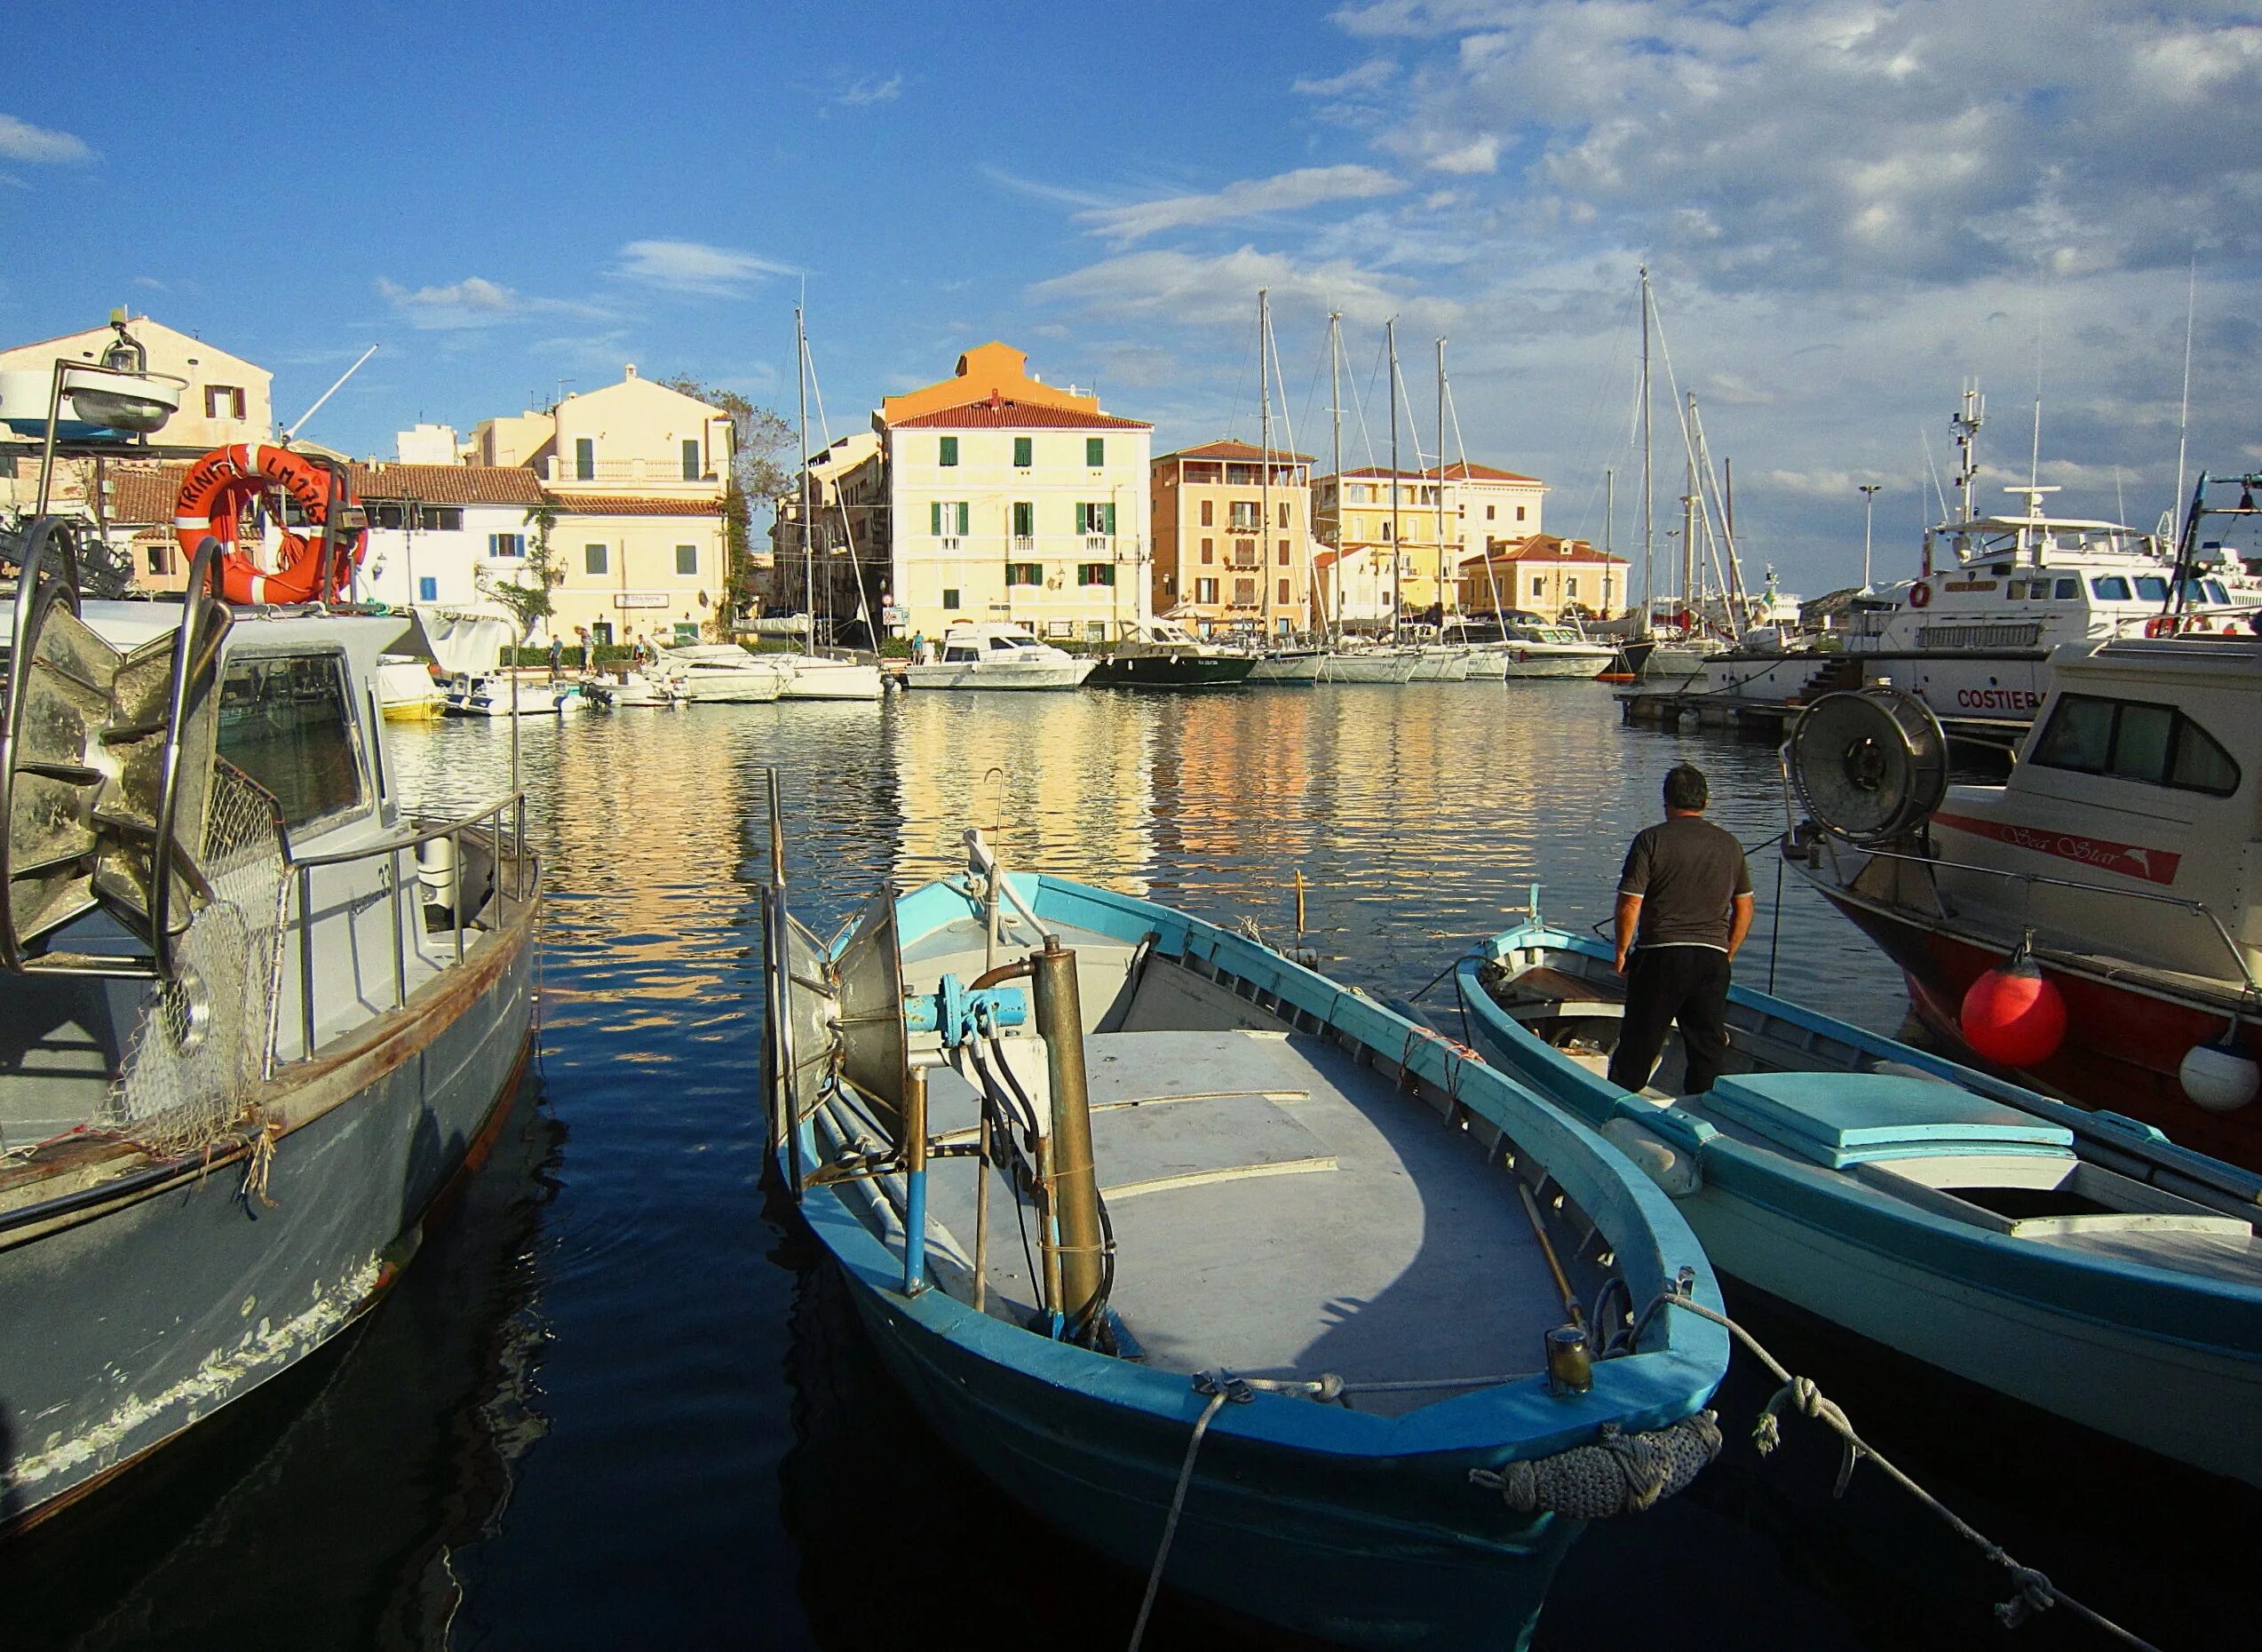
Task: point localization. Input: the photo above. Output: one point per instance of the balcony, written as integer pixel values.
(1025, 544)
(652, 472)
(1099, 545)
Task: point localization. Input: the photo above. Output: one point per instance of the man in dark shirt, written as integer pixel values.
(1684, 908)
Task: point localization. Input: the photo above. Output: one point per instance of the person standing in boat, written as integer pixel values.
(1684, 908)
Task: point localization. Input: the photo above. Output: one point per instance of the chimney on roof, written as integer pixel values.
(996, 401)
(628, 370)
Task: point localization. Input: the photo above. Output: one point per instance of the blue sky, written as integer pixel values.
(1848, 208)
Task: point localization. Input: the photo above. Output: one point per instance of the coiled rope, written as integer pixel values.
(1618, 1474)
(2034, 1592)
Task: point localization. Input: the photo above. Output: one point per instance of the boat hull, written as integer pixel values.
(2080, 1337)
(831, 679)
(186, 1292)
(1531, 660)
(1171, 671)
(992, 677)
(1371, 668)
(1336, 1556)
(1295, 669)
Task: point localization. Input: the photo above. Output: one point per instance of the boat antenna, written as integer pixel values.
(1390, 340)
(1265, 442)
(292, 433)
(2183, 425)
(1966, 423)
(1335, 394)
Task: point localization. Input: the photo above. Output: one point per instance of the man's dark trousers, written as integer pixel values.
(1669, 984)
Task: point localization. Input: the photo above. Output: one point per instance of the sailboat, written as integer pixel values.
(1278, 663)
(811, 673)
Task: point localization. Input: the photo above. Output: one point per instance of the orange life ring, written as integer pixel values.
(2160, 625)
(1920, 595)
(212, 499)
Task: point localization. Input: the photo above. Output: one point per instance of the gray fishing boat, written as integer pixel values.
(257, 1015)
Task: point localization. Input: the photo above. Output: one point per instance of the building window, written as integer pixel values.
(1283, 516)
(1571, 586)
(1283, 553)
(585, 458)
(441, 518)
(1096, 518)
(159, 562)
(1024, 452)
(1024, 520)
(1283, 596)
(1244, 516)
(1519, 513)
(949, 449)
(1385, 533)
(946, 517)
(1490, 512)
(223, 402)
(950, 596)
(1245, 594)
(1095, 451)
(1095, 573)
(1209, 550)
(688, 562)
(1205, 590)
(692, 468)
(1025, 573)
(600, 633)
(1209, 513)
(506, 544)
(1538, 585)
(427, 588)
(592, 559)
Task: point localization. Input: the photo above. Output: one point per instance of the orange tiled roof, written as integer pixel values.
(448, 484)
(997, 413)
(1236, 450)
(630, 504)
(1461, 470)
(1542, 548)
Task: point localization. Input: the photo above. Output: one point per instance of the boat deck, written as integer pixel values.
(1280, 1211)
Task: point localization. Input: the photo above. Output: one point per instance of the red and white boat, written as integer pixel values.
(2124, 850)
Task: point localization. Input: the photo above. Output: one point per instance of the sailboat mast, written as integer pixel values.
(1441, 488)
(1688, 594)
(1648, 484)
(808, 548)
(1334, 399)
(1265, 440)
(1390, 337)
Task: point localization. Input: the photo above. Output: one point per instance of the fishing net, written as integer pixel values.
(200, 1047)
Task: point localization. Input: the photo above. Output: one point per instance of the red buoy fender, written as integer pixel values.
(1920, 595)
(2013, 1015)
(2160, 625)
(213, 497)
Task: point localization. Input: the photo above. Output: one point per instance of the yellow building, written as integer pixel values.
(1556, 579)
(1009, 499)
(1219, 564)
(1394, 549)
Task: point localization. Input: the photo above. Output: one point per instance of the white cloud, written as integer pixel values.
(20, 140)
(1190, 291)
(1372, 75)
(473, 301)
(1479, 155)
(863, 93)
(1307, 186)
(694, 267)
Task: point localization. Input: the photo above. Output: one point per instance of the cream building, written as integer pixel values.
(1555, 578)
(1408, 544)
(1009, 499)
(1219, 564)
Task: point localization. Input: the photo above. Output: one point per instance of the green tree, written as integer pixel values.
(528, 597)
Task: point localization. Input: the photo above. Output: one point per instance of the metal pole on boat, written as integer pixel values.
(1397, 538)
(1335, 397)
(915, 1181)
(1265, 440)
(1438, 498)
(1868, 514)
(1648, 482)
(1075, 1182)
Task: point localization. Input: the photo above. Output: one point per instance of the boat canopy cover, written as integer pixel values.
(1840, 1119)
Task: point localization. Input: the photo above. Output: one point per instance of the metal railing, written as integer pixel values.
(511, 884)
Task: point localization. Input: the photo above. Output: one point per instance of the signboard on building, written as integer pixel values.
(639, 599)
(896, 616)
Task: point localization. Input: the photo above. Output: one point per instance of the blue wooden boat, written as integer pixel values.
(1214, 1234)
(2077, 1261)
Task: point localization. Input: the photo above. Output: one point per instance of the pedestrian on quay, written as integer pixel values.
(636, 652)
(556, 654)
(1683, 909)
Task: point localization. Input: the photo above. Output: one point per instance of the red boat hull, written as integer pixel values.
(2123, 1045)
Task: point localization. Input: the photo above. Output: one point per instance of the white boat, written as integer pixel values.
(823, 677)
(709, 673)
(1440, 663)
(985, 654)
(631, 689)
(1290, 665)
(1371, 665)
(240, 1070)
(407, 689)
(1524, 645)
(492, 694)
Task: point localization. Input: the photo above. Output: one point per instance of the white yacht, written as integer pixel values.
(826, 676)
(494, 694)
(703, 674)
(985, 654)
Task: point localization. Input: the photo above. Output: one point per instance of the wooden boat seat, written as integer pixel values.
(1543, 990)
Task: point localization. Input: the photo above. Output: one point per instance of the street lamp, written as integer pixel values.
(1869, 513)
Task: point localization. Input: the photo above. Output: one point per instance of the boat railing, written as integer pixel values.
(511, 886)
(2199, 909)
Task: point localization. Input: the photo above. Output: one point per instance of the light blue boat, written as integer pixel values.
(2077, 1261)
(1330, 1249)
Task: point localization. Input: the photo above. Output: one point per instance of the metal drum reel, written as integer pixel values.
(1869, 764)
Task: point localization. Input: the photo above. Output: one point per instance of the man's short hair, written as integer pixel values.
(1686, 788)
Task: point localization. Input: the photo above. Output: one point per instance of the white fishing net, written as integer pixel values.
(201, 1046)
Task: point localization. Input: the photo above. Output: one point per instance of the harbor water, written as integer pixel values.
(617, 1401)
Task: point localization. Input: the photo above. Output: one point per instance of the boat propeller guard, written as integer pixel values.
(1869, 764)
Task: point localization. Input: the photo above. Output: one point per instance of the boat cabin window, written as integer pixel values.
(2068, 590)
(284, 722)
(2152, 588)
(2135, 740)
(2216, 593)
(2110, 588)
(959, 653)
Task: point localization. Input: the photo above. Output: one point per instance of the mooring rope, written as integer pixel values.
(2036, 1593)
(1221, 1386)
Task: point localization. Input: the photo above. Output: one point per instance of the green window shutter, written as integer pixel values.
(1095, 451)
(1111, 518)
(962, 519)
(934, 518)
(1021, 453)
(950, 449)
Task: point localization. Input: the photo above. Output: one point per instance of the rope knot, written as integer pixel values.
(2034, 1595)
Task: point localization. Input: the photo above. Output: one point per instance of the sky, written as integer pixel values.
(1847, 210)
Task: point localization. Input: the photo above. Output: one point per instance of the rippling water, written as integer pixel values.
(617, 1403)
